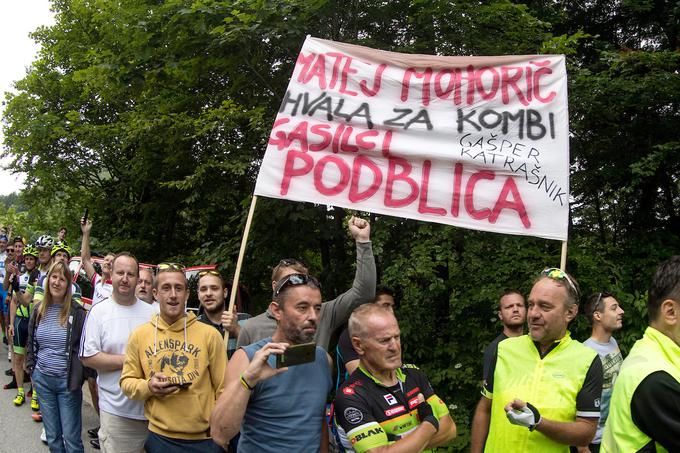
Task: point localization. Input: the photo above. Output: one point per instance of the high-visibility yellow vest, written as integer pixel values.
(551, 384)
(653, 352)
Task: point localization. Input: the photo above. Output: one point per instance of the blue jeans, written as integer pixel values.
(61, 411)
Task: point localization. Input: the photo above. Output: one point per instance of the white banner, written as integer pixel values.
(476, 142)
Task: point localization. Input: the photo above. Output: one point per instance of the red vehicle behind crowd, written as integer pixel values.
(80, 277)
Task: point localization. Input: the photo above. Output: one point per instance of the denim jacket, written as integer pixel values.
(76, 321)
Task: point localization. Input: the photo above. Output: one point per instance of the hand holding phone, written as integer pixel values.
(159, 386)
(297, 355)
(181, 386)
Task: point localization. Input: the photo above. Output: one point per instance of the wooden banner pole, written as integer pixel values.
(239, 262)
(563, 259)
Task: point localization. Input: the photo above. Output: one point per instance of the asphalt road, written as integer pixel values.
(18, 432)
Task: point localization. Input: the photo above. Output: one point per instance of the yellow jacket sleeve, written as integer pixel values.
(218, 363)
(133, 380)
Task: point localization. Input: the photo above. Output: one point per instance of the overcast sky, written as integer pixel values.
(17, 19)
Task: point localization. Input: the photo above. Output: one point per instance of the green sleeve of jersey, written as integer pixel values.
(77, 294)
(439, 408)
(39, 294)
(30, 289)
(367, 437)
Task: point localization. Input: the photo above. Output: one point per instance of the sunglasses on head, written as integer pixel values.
(171, 266)
(209, 272)
(601, 296)
(558, 274)
(287, 262)
(295, 280)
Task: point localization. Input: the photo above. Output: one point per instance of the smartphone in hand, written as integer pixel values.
(180, 386)
(297, 355)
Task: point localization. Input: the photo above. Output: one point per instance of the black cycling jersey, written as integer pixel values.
(370, 414)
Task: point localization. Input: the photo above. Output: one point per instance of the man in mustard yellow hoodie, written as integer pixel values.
(176, 365)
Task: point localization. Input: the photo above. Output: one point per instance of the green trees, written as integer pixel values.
(155, 115)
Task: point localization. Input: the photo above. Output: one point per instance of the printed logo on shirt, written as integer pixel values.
(395, 410)
(391, 400)
(413, 402)
(348, 391)
(596, 403)
(413, 391)
(353, 415)
(368, 433)
(175, 359)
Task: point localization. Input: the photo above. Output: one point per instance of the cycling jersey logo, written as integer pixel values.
(353, 415)
(413, 402)
(413, 392)
(348, 391)
(394, 411)
(367, 433)
(391, 400)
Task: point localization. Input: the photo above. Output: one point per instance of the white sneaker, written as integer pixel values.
(43, 436)
(9, 355)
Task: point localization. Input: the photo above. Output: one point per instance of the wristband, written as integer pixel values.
(245, 384)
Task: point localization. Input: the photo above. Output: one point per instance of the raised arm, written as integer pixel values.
(85, 227)
(363, 287)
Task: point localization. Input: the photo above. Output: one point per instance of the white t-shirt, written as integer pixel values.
(611, 358)
(102, 288)
(107, 328)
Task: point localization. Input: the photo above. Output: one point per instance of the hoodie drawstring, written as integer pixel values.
(155, 336)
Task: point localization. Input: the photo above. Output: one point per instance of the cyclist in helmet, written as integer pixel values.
(61, 252)
(44, 246)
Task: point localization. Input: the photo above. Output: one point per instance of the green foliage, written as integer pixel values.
(155, 115)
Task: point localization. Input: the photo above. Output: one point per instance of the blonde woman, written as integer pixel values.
(54, 332)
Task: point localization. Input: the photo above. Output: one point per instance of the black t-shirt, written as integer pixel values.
(490, 353)
(205, 320)
(587, 399)
(344, 352)
(345, 348)
(655, 409)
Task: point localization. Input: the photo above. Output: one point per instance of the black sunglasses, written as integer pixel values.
(296, 280)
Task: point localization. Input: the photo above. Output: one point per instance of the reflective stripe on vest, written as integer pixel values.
(653, 352)
(551, 384)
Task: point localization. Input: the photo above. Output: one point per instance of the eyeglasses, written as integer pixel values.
(10, 249)
(558, 274)
(209, 272)
(296, 280)
(171, 267)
